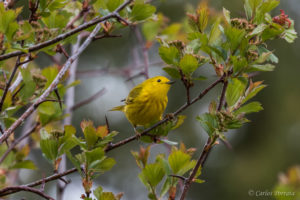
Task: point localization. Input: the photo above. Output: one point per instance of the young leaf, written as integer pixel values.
(234, 91)
(250, 108)
(263, 68)
(188, 64)
(49, 148)
(25, 164)
(226, 14)
(173, 72)
(253, 93)
(209, 123)
(170, 55)
(142, 11)
(177, 160)
(153, 173)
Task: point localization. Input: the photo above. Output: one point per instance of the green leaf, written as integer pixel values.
(97, 192)
(273, 31)
(209, 123)
(253, 93)
(107, 196)
(142, 11)
(104, 165)
(250, 108)
(236, 88)
(179, 121)
(188, 64)
(153, 173)
(8, 22)
(49, 73)
(170, 55)
(177, 160)
(57, 19)
(263, 68)
(258, 30)
(26, 75)
(113, 4)
(248, 9)
(254, 4)
(239, 63)
(273, 58)
(215, 33)
(94, 155)
(173, 72)
(75, 162)
(226, 14)
(290, 35)
(69, 144)
(166, 186)
(90, 133)
(25, 164)
(203, 18)
(28, 90)
(8, 121)
(47, 108)
(49, 148)
(234, 37)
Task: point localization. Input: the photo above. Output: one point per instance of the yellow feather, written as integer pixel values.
(147, 101)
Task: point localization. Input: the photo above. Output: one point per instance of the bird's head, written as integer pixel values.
(158, 84)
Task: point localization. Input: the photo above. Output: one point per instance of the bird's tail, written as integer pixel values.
(118, 108)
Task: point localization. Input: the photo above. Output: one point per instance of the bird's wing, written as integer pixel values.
(135, 92)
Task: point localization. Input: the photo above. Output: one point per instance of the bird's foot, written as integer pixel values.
(169, 116)
(138, 134)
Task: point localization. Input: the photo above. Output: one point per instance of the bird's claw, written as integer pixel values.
(170, 116)
(138, 134)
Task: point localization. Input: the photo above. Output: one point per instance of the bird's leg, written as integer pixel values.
(138, 134)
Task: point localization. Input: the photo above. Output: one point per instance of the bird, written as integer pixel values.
(146, 102)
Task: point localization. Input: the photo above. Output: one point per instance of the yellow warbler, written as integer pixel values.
(146, 102)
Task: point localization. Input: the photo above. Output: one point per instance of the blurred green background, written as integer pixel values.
(261, 149)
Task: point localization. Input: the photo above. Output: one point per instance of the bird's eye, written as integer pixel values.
(158, 80)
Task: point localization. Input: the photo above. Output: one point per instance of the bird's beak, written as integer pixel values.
(170, 82)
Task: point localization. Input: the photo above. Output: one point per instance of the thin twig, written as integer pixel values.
(7, 191)
(29, 189)
(59, 76)
(9, 82)
(177, 176)
(68, 34)
(16, 142)
(98, 37)
(89, 100)
(206, 149)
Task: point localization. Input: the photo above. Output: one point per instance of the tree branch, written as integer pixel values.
(68, 34)
(206, 149)
(59, 76)
(89, 100)
(29, 189)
